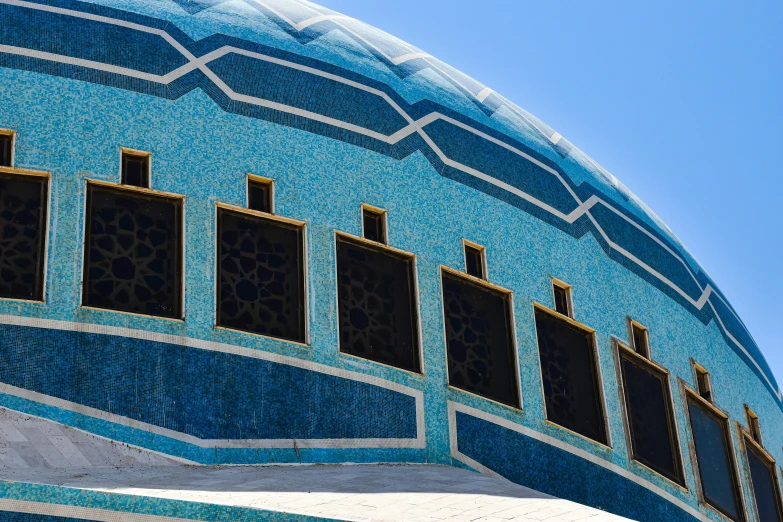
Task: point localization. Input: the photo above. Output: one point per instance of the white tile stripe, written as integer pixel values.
(583, 208)
(454, 407)
(396, 60)
(89, 64)
(415, 443)
(85, 513)
(484, 94)
(127, 444)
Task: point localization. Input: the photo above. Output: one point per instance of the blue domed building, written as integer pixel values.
(253, 232)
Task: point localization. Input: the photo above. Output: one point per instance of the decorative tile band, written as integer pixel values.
(206, 394)
(484, 442)
(158, 59)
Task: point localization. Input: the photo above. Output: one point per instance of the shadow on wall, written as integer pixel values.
(37, 451)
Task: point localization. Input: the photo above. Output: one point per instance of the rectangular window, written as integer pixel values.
(135, 169)
(261, 275)
(479, 339)
(376, 297)
(570, 375)
(703, 383)
(6, 150)
(474, 261)
(650, 418)
(260, 195)
(374, 225)
(23, 222)
(133, 252)
(562, 294)
(640, 338)
(754, 426)
(766, 490)
(711, 441)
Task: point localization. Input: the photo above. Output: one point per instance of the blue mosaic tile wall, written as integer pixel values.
(327, 109)
(206, 394)
(366, 119)
(364, 112)
(548, 469)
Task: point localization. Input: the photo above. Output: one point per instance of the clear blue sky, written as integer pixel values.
(682, 101)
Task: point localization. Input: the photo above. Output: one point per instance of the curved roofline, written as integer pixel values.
(398, 128)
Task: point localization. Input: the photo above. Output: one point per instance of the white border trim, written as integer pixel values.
(583, 207)
(454, 407)
(113, 441)
(79, 512)
(415, 443)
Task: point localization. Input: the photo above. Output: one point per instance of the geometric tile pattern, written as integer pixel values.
(212, 396)
(205, 397)
(155, 57)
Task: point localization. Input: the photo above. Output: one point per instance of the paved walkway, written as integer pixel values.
(348, 492)
(33, 442)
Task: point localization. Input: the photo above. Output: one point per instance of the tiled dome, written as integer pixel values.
(244, 231)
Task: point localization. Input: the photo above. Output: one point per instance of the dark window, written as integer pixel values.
(713, 454)
(373, 224)
(133, 252)
(765, 486)
(23, 201)
(650, 419)
(6, 144)
(376, 304)
(259, 195)
(568, 369)
(474, 262)
(479, 339)
(261, 285)
(640, 341)
(754, 426)
(704, 385)
(561, 300)
(136, 170)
